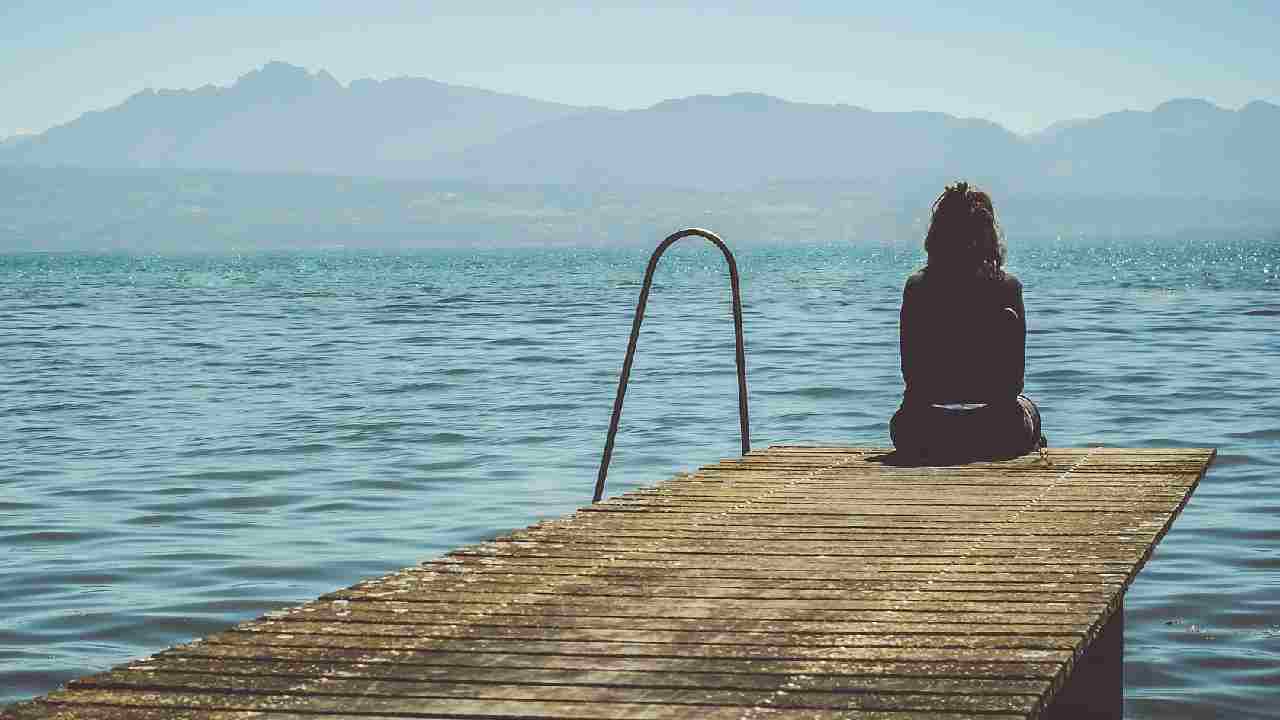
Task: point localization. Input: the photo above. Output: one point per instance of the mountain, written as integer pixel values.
(745, 140)
(1182, 147)
(1186, 148)
(284, 119)
(281, 118)
(12, 141)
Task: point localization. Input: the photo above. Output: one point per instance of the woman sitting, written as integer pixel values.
(962, 336)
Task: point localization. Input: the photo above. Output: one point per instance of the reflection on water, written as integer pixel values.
(190, 442)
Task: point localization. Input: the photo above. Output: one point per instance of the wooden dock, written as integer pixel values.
(791, 583)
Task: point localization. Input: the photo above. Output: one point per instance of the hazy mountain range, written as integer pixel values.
(289, 158)
(284, 119)
(281, 118)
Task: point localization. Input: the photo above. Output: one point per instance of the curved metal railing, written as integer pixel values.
(635, 334)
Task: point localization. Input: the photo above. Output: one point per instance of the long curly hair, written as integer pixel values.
(964, 236)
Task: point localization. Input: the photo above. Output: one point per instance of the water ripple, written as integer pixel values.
(190, 442)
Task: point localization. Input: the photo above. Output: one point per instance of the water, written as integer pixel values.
(187, 442)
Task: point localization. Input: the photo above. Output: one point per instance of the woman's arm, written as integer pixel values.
(1015, 372)
(909, 338)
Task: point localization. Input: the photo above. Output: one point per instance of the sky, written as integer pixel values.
(1024, 64)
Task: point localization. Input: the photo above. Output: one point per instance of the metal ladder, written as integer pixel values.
(635, 334)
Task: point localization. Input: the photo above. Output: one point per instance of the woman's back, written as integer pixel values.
(959, 341)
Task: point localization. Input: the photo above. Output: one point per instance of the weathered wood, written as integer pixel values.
(343, 659)
(359, 615)
(794, 693)
(575, 589)
(308, 705)
(393, 633)
(159, 673)
(794, 582)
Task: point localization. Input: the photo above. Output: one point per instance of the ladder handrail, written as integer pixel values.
(635, 334)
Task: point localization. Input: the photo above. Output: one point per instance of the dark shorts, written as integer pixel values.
(997, 430)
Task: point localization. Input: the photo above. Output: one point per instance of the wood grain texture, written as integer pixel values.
(795, 582)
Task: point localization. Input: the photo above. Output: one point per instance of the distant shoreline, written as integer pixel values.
(70, 209)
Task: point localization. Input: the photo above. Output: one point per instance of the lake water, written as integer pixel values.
(188, 442)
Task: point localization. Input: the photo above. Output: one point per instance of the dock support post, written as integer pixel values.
(1095, 689)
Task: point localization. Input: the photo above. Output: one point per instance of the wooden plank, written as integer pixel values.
(529, 573)
(390, 632)
(309, 705)
(795, 582)
(230, 688)
(599, 586)
(498, 661)
(360, 614)
(602, 677)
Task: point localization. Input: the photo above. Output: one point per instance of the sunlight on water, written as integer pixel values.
(188, 442)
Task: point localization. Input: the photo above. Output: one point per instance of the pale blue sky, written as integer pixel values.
(1022, 64)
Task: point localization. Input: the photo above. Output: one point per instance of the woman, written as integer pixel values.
(962, 333)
